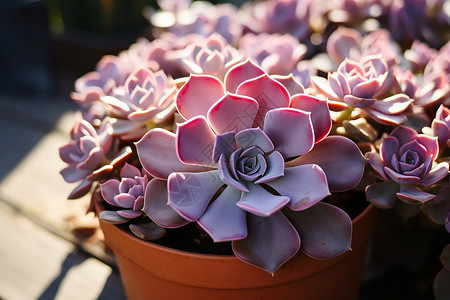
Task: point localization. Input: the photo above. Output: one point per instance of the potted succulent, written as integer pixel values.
(261, 139)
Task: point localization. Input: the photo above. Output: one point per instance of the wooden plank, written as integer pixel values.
(36, 264)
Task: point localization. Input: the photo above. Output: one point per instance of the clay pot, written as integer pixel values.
(151, 271)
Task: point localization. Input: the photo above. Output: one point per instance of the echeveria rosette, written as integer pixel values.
(406, 165)
(84, 154)
(364, 86)
(146, 98)
(247, 167)
(127, 194)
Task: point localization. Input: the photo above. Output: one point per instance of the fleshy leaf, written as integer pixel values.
(343, 173)
(232, 113)
(290, 130)
(275, 167)
(198, 94)
(155, 205)
(149, 231)
(158, 155)
(190, 193)
(240, 73)
(325, 230)
(260, 202)
(223, 220)
(411, 194)
(382, 194)
(305, 185)
(112, 217)
(195, 142)
(271, 241)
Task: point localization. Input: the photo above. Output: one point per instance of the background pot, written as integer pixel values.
(151, 271)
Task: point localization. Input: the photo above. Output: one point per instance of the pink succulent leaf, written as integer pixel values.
(325, 230)
(290, 83)
(260, 202)
(342, 42)
(112, 217)
(324, 87)
(275, 167)
(195, 142)
(240, 73)
(270, 242)
(382, 194)
(223, 220)
(414, 195)
(403, 134)
(395, 104)
(359, 102)
(129, 171)
(305, 185)
(120, 108)
(157, 154)
(366, 88)
(232, 113)
(198, 94)
(227, 176)
(156, 208)
(378, 165)
(385, 119)
(431, 145)
(190, 193)
(342, 174)
(320, 114)
(290, 130)
(268, 92)
(129, 213)
(441, 126)
(339, 87)
(254, 137)
(224, 144)
(73, 174)
(82, 189)
(436, 174)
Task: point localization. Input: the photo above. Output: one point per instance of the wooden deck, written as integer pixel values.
(49, 248)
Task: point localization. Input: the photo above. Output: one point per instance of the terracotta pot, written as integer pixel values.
(151, 271)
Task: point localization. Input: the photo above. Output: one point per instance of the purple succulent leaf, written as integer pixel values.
(275, 167)
(129, 213)
(198, 94)
(338, 86)
(190, 193)
(82, 189)
(240, 73)
(389, 148)
(290, 130)
(223, 220)
(124, 200)
(195, 142)
(148, 231)
(157, 154)
(342, 42)
(342, 174)
(268, 92)
(377, 164)
(442, 131)
(436, 174)
(382, 194)
(232, 113)
(394, 104)
(359, 102)
(401, 178)
(156, 208)
(271, 241)
(129, 171)
(305, 185)
(415, 147)
(112, 217)
(430, 143)
(365, 89)
(254, 137)
(224, 144)
(412, 194)
(324, 87)
(227, 176)
(320, 114)
(290, 83)
(72, 174)
(260, 202)
(385, 119)
(325, 230)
